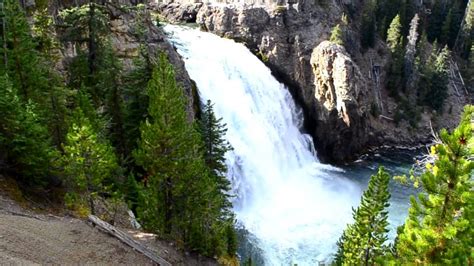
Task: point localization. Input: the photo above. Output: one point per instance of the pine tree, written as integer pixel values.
(394, 42)
(31, 71)
(97, 68)
(135, 98)
(25, 145)
(215, 147)
(439, 227)
(109, 81)
(368, 27)
(434, 78)
(440, 80)
(337, 36)
(446, 28)
(22, 58)
(177, 183)
(394, 35)
(363, 242)
(87, 26)
(470, 69)
(89, 162)
(410, 54)
(435, 21)
(166, 144)
(55, 94)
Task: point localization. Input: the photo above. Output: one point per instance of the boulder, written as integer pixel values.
(339, 101)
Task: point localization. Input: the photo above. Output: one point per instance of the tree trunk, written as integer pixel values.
(168, 205)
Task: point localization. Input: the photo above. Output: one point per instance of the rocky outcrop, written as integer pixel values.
(175, 12)
(338, 101)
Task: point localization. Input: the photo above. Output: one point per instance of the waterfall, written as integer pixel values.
(294, 206)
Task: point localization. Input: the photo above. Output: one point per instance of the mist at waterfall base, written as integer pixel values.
(291, 207)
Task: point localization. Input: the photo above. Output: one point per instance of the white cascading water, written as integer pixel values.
(293, 205)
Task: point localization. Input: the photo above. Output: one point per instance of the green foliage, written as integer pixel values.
(22, 58)
(446, 28)
(394, 42)
(178, 183)
(337, 36)
(363, 242)
(438, 229)
(84, 22)
(435, 21)
(434, 78)
(394, 35)
(45, 35)
(136, 100)
(215, 146)
(24, 140)
(89, 162)
(470, 69)
(368, 28)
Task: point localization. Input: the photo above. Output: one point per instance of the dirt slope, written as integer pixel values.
(57, 240)
(28, 237)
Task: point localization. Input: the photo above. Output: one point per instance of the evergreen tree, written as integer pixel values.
(55, 94)
(435, 21)
(166, 142)
(434, 78)
(32, 72)
(337, 36)
(439, 227)
(446, 28)
(440, 80)
(87, 26)
(394, 35)
(89, 162)
(368, 28)
(178, 183)
(97, 69)
(215, 147)
(24, 141)
(136, 100)
(387, 10)
(410, 54)
(407, 12)
(362, 242)
(394, 42)
(109, 81)
(22, 58)
(470, 70)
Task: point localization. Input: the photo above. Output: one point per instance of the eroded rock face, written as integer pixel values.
(175, 12)
(339, 101)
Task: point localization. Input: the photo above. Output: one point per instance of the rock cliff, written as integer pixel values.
(338, 101)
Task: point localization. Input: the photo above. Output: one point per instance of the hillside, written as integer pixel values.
(32, 235)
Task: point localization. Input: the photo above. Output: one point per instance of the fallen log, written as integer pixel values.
(22, 214)
(125, 238)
